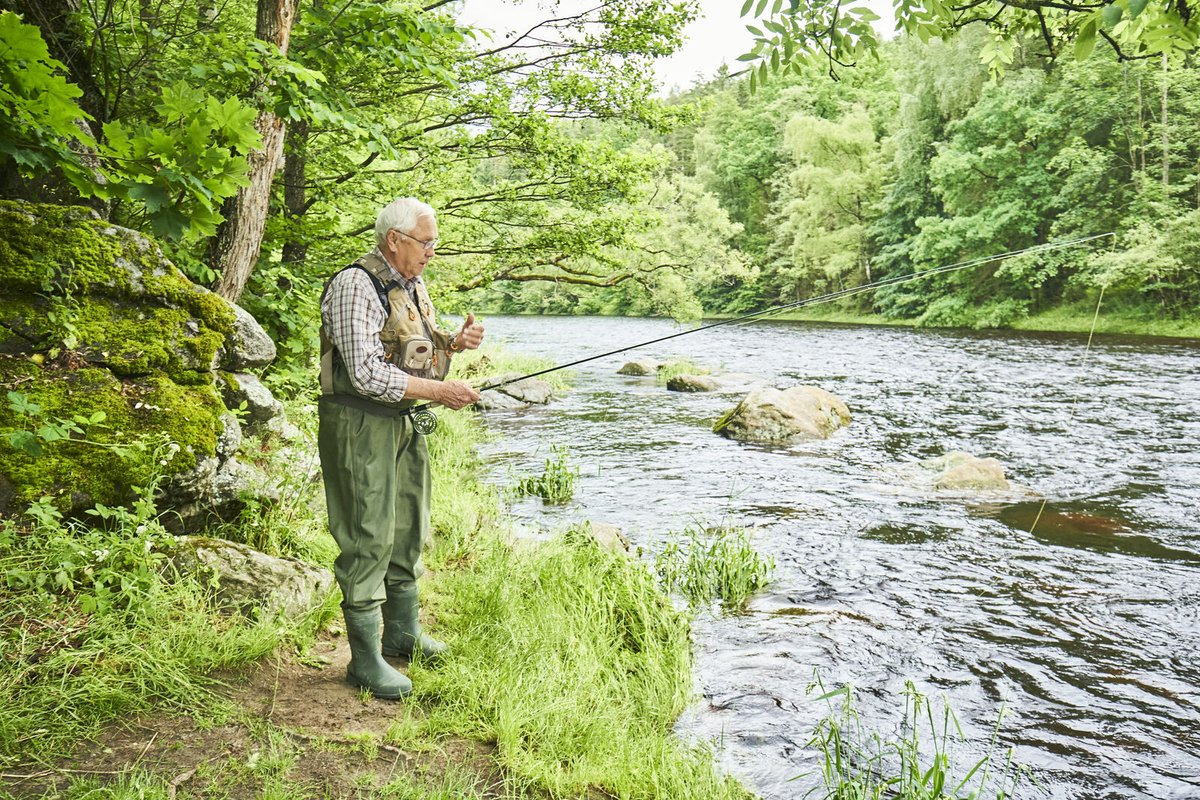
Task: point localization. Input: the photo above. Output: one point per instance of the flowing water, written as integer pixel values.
(1086, 627)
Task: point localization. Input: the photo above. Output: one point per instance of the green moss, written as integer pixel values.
(43, 247)
(82, 474)
(62, 251)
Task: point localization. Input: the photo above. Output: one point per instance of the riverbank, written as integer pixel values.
(1066, 319)
(569, 667)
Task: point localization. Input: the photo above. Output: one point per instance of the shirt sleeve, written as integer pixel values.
(353, 318)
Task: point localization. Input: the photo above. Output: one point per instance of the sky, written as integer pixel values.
(718, 36)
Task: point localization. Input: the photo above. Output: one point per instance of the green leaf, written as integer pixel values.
(1136, 7)
(1112, 14)
(746, 8)
(154, 197)
(1086, 42)
(25, 441)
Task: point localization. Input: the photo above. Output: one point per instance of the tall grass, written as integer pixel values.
(676, 367)
(556, 484)
(94, 624)
(721, 563)
(571, 660)
(857, 764)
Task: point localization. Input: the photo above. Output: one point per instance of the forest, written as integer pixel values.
(257, 141)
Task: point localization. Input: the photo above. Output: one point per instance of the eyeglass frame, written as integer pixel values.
(430, 245)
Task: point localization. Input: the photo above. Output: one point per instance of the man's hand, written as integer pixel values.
(470, 336)
(456, 394)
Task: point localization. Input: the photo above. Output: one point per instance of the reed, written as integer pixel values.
(921, 764)
(556, 484)
(714, 564)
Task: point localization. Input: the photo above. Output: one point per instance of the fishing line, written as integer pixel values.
(1071, 412)
(425, 421)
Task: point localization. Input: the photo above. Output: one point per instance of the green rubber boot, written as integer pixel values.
(367, 668)
(402, 634)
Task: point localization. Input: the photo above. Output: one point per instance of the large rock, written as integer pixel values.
(609, 536)
(639, 367)
(249, 345)
(960, 471)
(247, 580)
(97, 325)
(721, 382)
(692, 383)
(244, 391)
(518, 394)
(774, 416)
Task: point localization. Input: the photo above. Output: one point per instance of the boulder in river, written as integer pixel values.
(957, 470)
(515, 395)
(776, 416)
(640, 367)
(692, 383)
(721, 382)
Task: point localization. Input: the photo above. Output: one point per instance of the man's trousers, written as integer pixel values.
(377, 489)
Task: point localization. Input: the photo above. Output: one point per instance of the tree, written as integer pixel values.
(823, 32)
(234, 250)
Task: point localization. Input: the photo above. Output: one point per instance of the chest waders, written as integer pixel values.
(377, 488)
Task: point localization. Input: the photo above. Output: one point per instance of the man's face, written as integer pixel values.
(407, 252)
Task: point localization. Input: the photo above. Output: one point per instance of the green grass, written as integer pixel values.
(676, 367)
(488, 361)
(920, 764)
(714, 564)
(73, 661)
(1078, 319)
(573, 662)
(556, 484)
(1064, 319)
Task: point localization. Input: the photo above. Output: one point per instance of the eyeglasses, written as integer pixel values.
(431, 244)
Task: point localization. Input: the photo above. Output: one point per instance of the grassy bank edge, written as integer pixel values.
(568, 660)
(1066, 319)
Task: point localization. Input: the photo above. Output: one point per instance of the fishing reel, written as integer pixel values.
(424, 421)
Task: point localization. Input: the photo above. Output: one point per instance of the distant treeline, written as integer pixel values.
(923, 159)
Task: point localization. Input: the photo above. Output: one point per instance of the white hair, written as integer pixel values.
(401, 215)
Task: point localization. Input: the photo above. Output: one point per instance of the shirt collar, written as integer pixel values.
(408, 284)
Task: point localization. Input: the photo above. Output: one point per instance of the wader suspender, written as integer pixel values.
(327, 348)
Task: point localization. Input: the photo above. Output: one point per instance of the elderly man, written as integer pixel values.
(381, 354)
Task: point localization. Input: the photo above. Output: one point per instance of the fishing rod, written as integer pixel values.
(425, 421)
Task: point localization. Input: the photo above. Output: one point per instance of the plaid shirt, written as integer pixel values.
(353, 317)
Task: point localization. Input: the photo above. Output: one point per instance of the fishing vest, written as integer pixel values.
(407, 323)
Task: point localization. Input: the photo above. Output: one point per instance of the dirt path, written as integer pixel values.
(301, 732)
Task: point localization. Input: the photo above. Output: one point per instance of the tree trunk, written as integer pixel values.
(295, 198)
(1166, 142)
(234, 250)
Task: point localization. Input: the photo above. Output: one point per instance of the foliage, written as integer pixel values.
(95, 625)
(556, 484)
(807, 32)
(180, 165)
(714, 564)
(38, 111)
(675, 367)
(858, 764)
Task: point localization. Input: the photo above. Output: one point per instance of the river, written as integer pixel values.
(1086, 629)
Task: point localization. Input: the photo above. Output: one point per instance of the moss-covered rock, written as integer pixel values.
(96, 323)
(113, 455)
